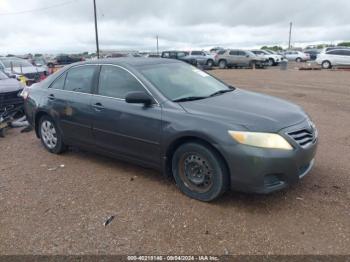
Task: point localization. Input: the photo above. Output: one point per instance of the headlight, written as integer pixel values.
(265, 140)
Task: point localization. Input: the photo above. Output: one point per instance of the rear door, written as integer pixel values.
(131, 131)
(76, 120)
(345, 54)
(233, 58)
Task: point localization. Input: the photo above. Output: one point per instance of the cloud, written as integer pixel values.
(132, 24)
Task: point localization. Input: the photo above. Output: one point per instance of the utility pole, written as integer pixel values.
(96, 32)
(290, 34)
(157, 46)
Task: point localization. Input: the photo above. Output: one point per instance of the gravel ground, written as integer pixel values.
(46, 208)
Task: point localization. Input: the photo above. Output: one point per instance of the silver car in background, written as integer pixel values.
(296, 56)
(238, 58)
(335, 57)
(271, 58)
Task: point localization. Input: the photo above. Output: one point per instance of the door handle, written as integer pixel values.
(51, 97)
(98, 107)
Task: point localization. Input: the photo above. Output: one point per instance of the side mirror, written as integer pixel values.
(139, 97)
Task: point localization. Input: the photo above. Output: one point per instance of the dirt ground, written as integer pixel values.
(48, 209)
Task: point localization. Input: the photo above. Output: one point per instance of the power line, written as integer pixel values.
(38, 9)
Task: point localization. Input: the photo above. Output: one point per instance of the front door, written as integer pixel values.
(131, 131)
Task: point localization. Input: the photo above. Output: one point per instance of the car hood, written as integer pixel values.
(10, 85)
(256, 112)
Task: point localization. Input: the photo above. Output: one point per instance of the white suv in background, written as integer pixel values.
(272, 59)
(297, 56)
(335, 57)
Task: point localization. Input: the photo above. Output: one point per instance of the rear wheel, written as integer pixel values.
(326, 64)
(210, 63)
(50, 135)
(222, 64)
(199, 172)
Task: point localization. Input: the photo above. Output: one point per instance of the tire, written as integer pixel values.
(252, 64)
(298, 60)
(222, 64)
(50, 65)
(210, 63)
(326, 64)
(271, 62)
(50, 135)
(199, 172)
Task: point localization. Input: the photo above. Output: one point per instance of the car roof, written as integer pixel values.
(131, 61)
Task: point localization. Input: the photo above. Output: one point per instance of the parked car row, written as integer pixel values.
(226, 58)
(22, 70)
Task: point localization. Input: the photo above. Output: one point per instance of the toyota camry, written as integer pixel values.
(168, 115)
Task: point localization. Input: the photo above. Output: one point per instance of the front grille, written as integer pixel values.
(10, 99)
(304, 137)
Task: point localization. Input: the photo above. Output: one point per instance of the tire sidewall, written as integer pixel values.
(60, 145)
(222, 64)
(220, 180)
(329, 64)
(210, 62)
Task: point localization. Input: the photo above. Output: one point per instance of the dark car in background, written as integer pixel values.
(179, 55)
(64, 60)
(313, 53)
(11, 103)
(168, 115)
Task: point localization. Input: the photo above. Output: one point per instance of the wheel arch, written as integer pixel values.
(38, 116)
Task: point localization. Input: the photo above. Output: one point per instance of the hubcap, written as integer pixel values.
(48, 134)
(196, 172)
(326, 65)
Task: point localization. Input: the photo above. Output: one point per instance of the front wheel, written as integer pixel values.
(271, 62)
(199, 172)
(298, 60)
(326, 65)
(50, 136)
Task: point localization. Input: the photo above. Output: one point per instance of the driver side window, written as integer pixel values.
(117, 82)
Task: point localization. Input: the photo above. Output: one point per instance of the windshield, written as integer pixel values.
(15, 63)
(3, 76)
(180, 80)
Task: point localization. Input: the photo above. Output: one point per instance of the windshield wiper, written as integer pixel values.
(221, 92)
(189, 98)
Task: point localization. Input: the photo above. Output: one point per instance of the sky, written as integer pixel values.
(63, 26)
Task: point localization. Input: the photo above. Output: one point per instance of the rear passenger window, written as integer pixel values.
(59, 82)
(80, 79)
(116, 82)
(233, 52)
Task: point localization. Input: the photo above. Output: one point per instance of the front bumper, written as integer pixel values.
(260, 170)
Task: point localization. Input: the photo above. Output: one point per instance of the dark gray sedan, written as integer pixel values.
(171, 116)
